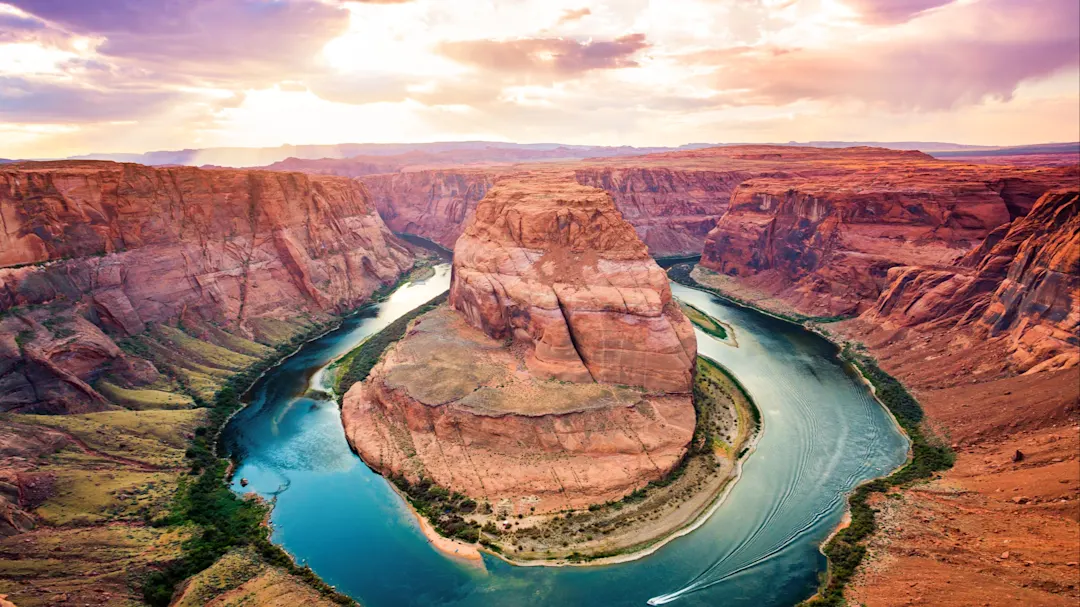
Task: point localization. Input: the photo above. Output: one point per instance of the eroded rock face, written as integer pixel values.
(552, 264)
(825, 244)
(435, 205)
(111, 248)
(549, 283)
(22, 488)
(1023, 283)
(671, 209)
(451, 404)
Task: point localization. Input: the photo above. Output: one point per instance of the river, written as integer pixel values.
(823, 434)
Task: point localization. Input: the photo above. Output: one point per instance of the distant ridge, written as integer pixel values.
(258, 157)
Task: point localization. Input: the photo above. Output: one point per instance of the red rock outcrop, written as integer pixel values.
(674, 199)
(552, 264)
(112, 247)
(672, 210)
(550, 283)
(1023, 283)
(825, 243)
(435, 205)
(451, 404)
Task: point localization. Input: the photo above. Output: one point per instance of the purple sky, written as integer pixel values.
(130, 75)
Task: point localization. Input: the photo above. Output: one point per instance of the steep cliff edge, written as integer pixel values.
(672, 210)
(553, 264)
(1022, 283)
(825, 244)
(99, 250)
(436, 205)
(558, 376)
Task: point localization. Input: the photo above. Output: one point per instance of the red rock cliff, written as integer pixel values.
(549, 283)
(825, 243)
(1022, 285)
(553, 264)
(123, 245)
(432, 204)
(672, 210)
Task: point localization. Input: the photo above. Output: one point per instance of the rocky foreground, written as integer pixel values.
(559, 374)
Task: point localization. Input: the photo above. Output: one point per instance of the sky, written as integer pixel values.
(81, 76)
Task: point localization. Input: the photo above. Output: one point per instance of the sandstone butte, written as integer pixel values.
(559, 373)
(115, 248)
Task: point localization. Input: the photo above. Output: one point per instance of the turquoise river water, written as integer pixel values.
(823, 434)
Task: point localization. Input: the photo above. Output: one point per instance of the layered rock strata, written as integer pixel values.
(1022, 283)
(450, 404)
(436, 205)
(825, 244)
(673, 200)
(552, 264)
(558, 375)
(672, 210)
(99, 250)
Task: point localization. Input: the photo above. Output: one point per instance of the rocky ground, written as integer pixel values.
(557, 380)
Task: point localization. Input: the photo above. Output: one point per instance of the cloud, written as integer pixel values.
(358, 89)
(887, 12)
(210, 41)
(23, 100)
(571, 15)
(1002, 44)
(554, 57)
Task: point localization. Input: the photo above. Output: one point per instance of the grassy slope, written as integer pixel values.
(129, 480)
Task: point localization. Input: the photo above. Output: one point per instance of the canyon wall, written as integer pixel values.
(107, 250)
(672, 210)
(825, 244)
(435, 205)
(1022, 283)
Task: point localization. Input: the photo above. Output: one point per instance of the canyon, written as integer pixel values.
(129, 297)
(557, 376)
(130, 294)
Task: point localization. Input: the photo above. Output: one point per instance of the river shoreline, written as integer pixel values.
(643, 538)
(683, 529)
(811, 326)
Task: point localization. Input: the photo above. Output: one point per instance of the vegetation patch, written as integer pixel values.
(705, 322)
(228, 573)
(847, 548)
(143, 398)
(445, 509)
(82, 563)
(93, 496)
(224, 521)
(155, 438)
(355, 366)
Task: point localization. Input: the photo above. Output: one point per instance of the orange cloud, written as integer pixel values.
(569, 16)
(560, 57)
